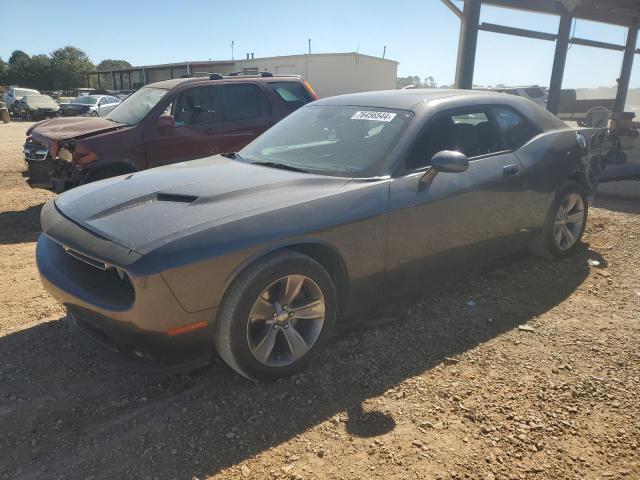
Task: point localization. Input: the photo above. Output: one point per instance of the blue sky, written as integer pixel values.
(421, 34)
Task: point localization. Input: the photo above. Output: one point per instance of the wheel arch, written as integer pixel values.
(321, 251)
(116, 168)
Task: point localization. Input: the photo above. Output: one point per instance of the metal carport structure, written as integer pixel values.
(625, 13)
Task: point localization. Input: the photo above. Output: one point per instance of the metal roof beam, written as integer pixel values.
(593, 43)
(600, 13)
(519, 32)
(452, 6)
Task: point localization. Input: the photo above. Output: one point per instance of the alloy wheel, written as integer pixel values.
(569, 221)
(286, 320)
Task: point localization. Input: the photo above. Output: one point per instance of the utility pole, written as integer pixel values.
(384, 51)
(309, 46)
(232, 44)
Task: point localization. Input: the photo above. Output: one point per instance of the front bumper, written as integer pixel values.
(129, 318)
(44, 171)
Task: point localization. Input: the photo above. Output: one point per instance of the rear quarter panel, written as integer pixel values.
(549, 160)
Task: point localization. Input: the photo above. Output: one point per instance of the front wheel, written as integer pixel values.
(275, 316)
(95, 114)
(565, 223)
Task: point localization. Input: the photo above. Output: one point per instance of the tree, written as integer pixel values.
(69, 66)
(39, 75)
(18, 68)
(19, 58)
(415, 80)
(429, 82)
(110, 64)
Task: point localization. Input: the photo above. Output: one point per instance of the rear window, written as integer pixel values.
(516, 129)
(293, 94)
(244, 102)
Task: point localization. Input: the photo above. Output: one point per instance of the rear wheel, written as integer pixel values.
(565, 223)
(275, 316)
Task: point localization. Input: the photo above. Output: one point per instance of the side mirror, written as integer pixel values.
(165, 121)
(450, 161)
(446, 161)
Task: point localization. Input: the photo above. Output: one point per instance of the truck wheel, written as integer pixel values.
(275, 316)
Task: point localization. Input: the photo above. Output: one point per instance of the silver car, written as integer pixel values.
(89, 106)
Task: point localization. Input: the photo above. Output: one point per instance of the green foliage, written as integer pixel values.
(110, 64)
(64, 68)
(416, 81)
(70, 65)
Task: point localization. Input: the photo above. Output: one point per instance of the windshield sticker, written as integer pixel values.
(377, 116)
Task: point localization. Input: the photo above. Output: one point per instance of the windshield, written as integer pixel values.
(42, 100)
(18, 92)
(84, 100)
(342, 141)
(136, 106)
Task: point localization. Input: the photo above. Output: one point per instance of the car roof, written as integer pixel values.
(403, 99)
(169, 84)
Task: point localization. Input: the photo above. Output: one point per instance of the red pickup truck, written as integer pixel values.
(164, 122)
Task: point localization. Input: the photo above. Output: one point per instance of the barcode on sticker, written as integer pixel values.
(377, 116)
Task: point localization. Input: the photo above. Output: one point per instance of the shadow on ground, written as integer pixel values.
(20, 226)
(617, 203)
(64, 410)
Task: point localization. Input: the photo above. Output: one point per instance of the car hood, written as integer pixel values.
(147, 209)
(73, 127)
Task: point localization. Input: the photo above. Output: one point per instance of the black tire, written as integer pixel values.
(547, 245)
(94, 114)
(232, 323)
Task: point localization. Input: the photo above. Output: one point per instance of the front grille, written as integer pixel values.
(35, 151)
(100, 279)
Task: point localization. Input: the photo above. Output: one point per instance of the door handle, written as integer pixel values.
(510, 170)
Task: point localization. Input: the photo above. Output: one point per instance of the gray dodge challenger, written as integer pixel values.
(348, 203)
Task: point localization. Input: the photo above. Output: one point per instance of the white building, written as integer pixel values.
(328, 73)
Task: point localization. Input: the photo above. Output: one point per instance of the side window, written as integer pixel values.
(196, 107)
(293, 94)
(244, 102)
(516, 130)
(470, 132)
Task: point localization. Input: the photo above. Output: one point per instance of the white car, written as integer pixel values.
(89, 106)
(15, 94)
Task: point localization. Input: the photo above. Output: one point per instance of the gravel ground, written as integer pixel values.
(526, 370)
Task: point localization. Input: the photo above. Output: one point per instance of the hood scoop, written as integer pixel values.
(175, 197)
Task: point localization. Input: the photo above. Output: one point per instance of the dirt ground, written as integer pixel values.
(527, 370)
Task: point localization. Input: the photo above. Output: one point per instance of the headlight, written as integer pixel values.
(65, 154)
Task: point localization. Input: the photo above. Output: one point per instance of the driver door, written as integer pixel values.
(456, 220)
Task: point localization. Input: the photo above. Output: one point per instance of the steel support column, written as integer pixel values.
(468, 43)
(559, 61)
(625, 71)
